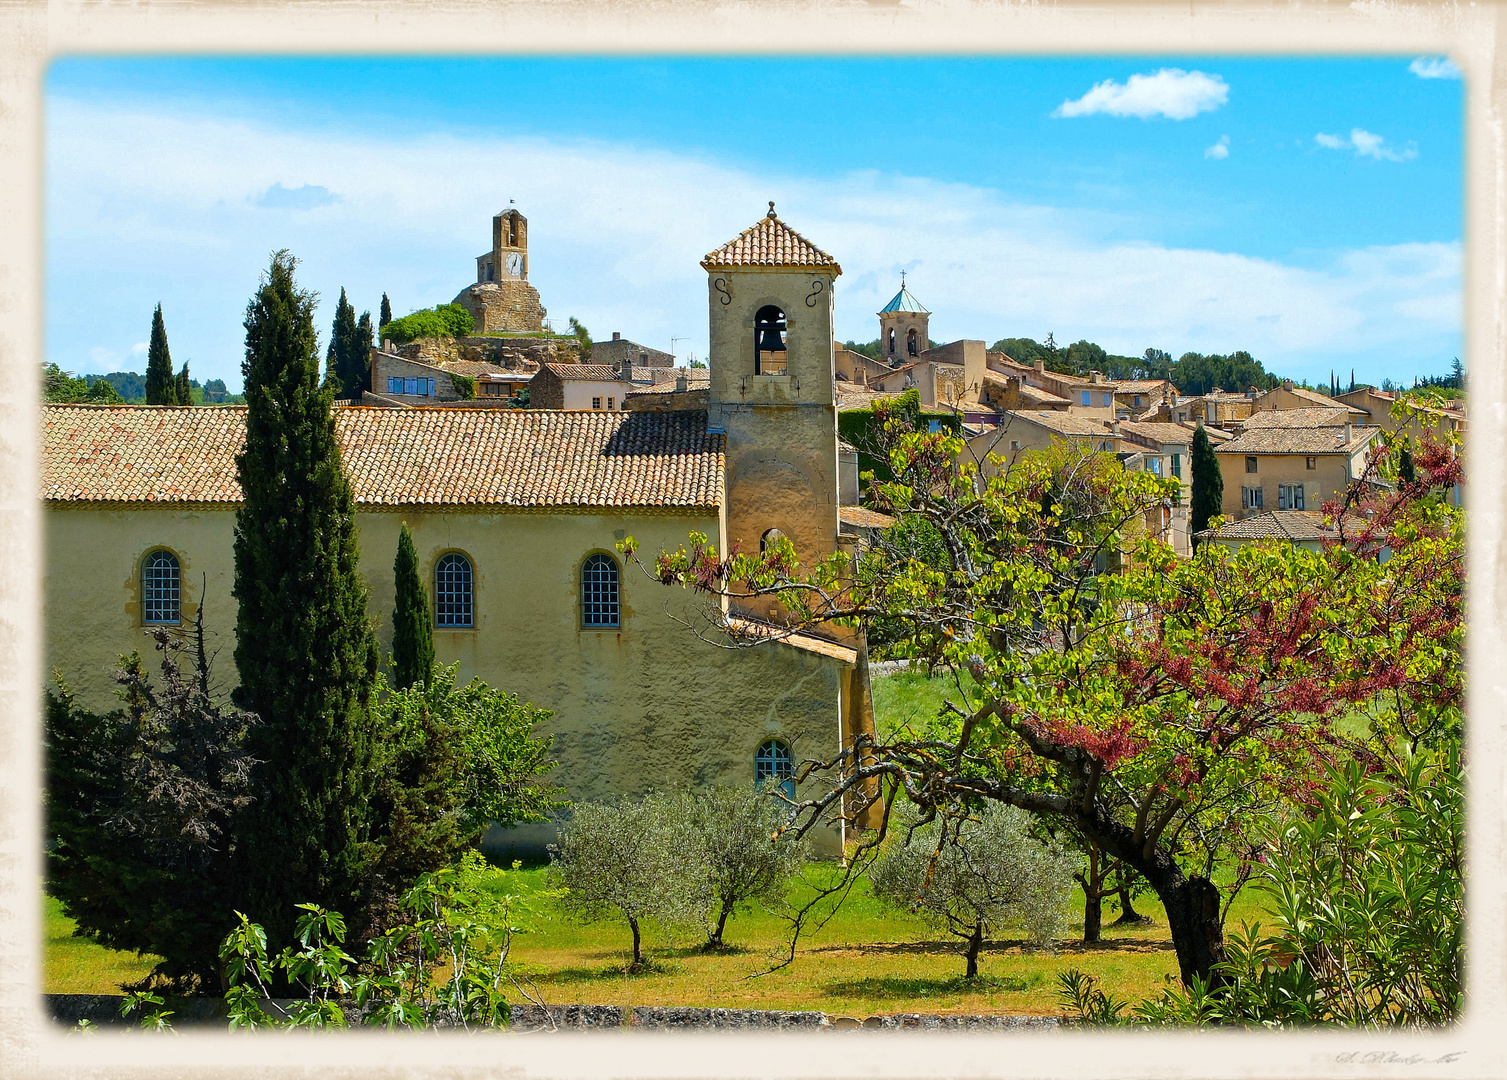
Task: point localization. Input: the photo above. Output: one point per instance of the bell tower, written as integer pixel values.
(903, 328)
(769, 294)
(508, 259)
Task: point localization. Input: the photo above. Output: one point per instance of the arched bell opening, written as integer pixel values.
(892, 341)
(910, 344)
(769, 341)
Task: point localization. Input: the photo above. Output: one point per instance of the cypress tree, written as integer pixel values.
(1208, 483)
(182, 388)
(364, 344)
(386, 313)
(346, 359)
(1405, 470)
(304, 650)
(161, 388)
(412, 638)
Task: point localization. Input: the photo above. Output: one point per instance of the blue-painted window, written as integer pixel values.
(774, 765)
(453, 605)
(1085, 397)
(599, 596)
(160, 590)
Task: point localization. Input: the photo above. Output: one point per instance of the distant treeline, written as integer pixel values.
(1192, 373)
(133, 388)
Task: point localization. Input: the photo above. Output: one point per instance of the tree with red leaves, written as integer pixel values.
(1149, 704)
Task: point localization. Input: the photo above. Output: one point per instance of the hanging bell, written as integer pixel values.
(769, 340)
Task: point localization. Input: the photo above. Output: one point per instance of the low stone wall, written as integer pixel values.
(104, 1010)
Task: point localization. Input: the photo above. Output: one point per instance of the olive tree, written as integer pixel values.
(743, 856)
(978, 875)
(639, 859)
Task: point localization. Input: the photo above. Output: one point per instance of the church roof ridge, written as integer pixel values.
(769, 242)
(518, 458)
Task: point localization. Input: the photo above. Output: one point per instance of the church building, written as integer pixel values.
(516, 514)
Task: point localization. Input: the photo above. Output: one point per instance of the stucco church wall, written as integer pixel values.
(644, 706)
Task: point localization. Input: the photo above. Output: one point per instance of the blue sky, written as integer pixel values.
(1308, 210)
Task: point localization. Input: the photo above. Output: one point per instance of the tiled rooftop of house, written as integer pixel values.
(1062, 423)
(585, 372)
(395, 456)
(1314, 417)
(1157, 434)
(1274, 525)
(862, 517)
(1313, 440)
(695, 379)
(769, 243)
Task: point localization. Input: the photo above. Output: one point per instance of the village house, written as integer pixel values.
(1023, 432)
(1291, 460)
(588, 386)
(516, 514)
(1286, 396)
(620, 350)
(1308, 529)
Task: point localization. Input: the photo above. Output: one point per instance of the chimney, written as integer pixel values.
(1115, 427)
(1095, 377)
(681, 384)
(616, 336)
(1041, 366)
(1349, 433)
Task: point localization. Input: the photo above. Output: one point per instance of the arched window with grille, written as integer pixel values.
(453, 605)
(161, 589)
(773, 765)
(599, 597)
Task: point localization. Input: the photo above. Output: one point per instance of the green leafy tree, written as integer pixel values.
(59, 387)
(582, 335)
(1208, 482)
(386, 314)
(447, 320)
(305, 651)
(977, 875)
(412, 635)
(162, 389)
(1153, 705)
(143, 811)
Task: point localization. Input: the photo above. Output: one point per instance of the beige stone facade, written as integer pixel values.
(526, 497)
(1274, 468)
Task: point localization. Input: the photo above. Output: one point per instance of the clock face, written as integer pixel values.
(515, 264)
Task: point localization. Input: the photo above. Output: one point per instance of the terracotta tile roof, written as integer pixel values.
(862, 517)
(1157, 434)
(585, 372)
(1142, 386)
(1029, 395)
(478, 368)
(1313, 440)
(852, 396)
(1298, 418)
(696, 380)
(769, 243)
(395, 456)
(1063, 423)
(750, 628)
(1274, 525)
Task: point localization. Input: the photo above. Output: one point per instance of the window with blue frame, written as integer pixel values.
(774, 765)
(416, 387)
(1085, 397)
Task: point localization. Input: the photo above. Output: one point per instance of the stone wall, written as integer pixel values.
(620, 349)
(512, 353)
(503, 305)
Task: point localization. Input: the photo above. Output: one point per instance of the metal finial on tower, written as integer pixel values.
(771, 208)
(902, 279)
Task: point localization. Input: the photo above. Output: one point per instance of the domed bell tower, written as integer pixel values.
(903, 328)
(769, 295)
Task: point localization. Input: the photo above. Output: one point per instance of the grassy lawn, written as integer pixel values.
(77, 966)
(868, 959)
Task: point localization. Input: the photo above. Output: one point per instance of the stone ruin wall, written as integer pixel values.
(503, 305)
(511, 354)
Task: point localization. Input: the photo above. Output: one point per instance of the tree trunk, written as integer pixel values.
(975, 943)
(1128, 914)
(1093, 915)
(1193, 917)
(638, 951)
(715, 941)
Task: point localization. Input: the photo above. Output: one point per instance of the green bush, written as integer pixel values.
(446, 320)
(861, 429)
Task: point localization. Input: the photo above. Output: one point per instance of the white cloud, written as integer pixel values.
(619, 247)
(1220, 150)
(1366, 144)
(1170, 92)
(1434, 67)
(139, 349)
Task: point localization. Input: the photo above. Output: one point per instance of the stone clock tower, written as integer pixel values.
(769, 292)
(502, 298)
